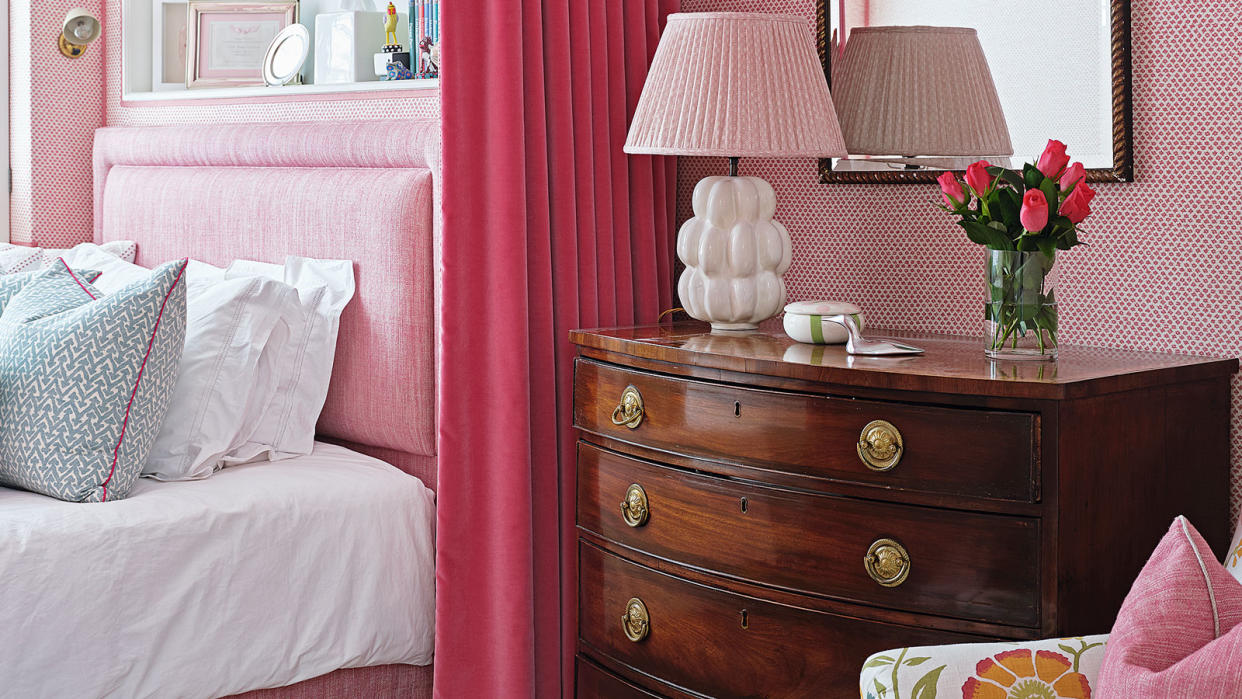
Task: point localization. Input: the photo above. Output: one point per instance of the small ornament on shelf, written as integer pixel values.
(390, 30)
(397, 71)
(425, 37)
(393, 63)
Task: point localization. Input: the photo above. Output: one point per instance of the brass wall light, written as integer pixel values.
(80, 29)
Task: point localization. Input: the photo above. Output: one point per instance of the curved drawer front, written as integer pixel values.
(957, 451)
(593, 682)
(722, 644)
(972, 566)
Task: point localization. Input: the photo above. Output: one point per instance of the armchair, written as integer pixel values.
(1060, 668)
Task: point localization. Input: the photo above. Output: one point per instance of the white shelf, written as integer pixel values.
(286, 90)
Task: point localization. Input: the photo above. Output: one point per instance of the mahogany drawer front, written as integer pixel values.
(721, 644)
(980, 567)
(594, 682)
(957, 451)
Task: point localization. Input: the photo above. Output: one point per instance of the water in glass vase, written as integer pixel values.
(1020, 316)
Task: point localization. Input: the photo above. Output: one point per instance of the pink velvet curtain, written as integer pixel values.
(548, 227)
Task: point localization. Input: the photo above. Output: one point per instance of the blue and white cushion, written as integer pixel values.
(10, 284)
(85, 380)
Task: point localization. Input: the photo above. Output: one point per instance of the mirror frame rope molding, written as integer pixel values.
(1123, 155)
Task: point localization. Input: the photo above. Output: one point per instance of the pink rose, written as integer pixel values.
(1034, 213)
(1073, 175)
(1076, 205)
(978, 178)
(951, 189)
(1053, 160)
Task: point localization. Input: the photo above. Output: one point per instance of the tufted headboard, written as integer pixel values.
(365, 191)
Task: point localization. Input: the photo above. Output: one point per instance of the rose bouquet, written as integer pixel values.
(1022, 218)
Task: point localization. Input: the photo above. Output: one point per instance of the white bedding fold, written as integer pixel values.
(260, 576)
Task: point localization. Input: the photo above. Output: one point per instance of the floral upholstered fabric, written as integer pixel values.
(1062, 668)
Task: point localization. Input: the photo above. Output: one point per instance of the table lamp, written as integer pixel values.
(918, 91)
(735, 85)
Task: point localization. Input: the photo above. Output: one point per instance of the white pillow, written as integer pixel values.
(19, 258)
(116, 273)
(298, 361)
(127, 250)
(229, 323)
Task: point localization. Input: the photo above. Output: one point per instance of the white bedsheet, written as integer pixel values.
(260, 576)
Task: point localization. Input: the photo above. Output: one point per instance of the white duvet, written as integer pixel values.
(260, 576)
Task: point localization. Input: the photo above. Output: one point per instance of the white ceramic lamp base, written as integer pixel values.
(735, 254)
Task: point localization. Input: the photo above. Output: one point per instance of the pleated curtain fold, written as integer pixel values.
(548, 227)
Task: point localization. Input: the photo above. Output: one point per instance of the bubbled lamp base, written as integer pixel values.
(735, 254)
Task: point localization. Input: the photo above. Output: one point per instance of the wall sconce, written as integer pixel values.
(79, 30)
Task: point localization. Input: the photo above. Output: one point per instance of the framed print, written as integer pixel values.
(168, 24)
(226, 41)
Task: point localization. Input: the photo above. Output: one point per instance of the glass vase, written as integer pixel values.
(1020, 316)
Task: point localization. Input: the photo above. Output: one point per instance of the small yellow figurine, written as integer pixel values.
(390, 26)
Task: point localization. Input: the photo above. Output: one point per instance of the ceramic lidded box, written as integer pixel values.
(807, 321)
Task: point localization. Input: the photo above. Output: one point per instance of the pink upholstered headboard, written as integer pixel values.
(360, 191)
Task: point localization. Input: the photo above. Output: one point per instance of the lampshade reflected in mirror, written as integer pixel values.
(917, 96)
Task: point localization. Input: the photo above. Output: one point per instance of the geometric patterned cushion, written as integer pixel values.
(85, 381)
(10, 284)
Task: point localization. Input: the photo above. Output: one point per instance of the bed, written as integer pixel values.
(185, 589)
(311, 577)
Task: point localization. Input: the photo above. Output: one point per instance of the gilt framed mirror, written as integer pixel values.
(922, 87)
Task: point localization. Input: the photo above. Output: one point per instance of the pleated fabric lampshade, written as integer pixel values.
(735, 84)
(918, 91)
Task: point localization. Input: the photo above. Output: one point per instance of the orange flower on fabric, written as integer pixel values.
(1023, 674)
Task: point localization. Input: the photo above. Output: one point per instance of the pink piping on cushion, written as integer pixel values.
(125, 423)
(79, 281)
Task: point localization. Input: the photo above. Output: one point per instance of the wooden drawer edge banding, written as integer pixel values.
(811, 484)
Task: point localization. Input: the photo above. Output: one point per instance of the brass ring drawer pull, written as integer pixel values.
(887, 562)
(636, 622)
(634, 508)
(880, 445)
(629, 411)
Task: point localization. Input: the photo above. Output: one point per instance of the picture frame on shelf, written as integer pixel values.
(169, 19)
(226, 41)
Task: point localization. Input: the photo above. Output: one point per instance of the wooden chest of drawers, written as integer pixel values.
(755, 517)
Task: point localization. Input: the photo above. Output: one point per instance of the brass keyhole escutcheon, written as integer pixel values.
(880, 445)
(634, 508)
(629, 412)
(636, 622)
(887, 562)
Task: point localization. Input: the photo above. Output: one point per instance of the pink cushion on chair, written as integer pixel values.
(1177, 633)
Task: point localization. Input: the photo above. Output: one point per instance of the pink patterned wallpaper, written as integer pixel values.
(69, 99)
(57, 103)
(1164, 268)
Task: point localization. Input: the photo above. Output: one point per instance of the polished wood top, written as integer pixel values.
(951, 364)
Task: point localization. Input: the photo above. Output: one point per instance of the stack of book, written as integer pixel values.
(424, 37)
